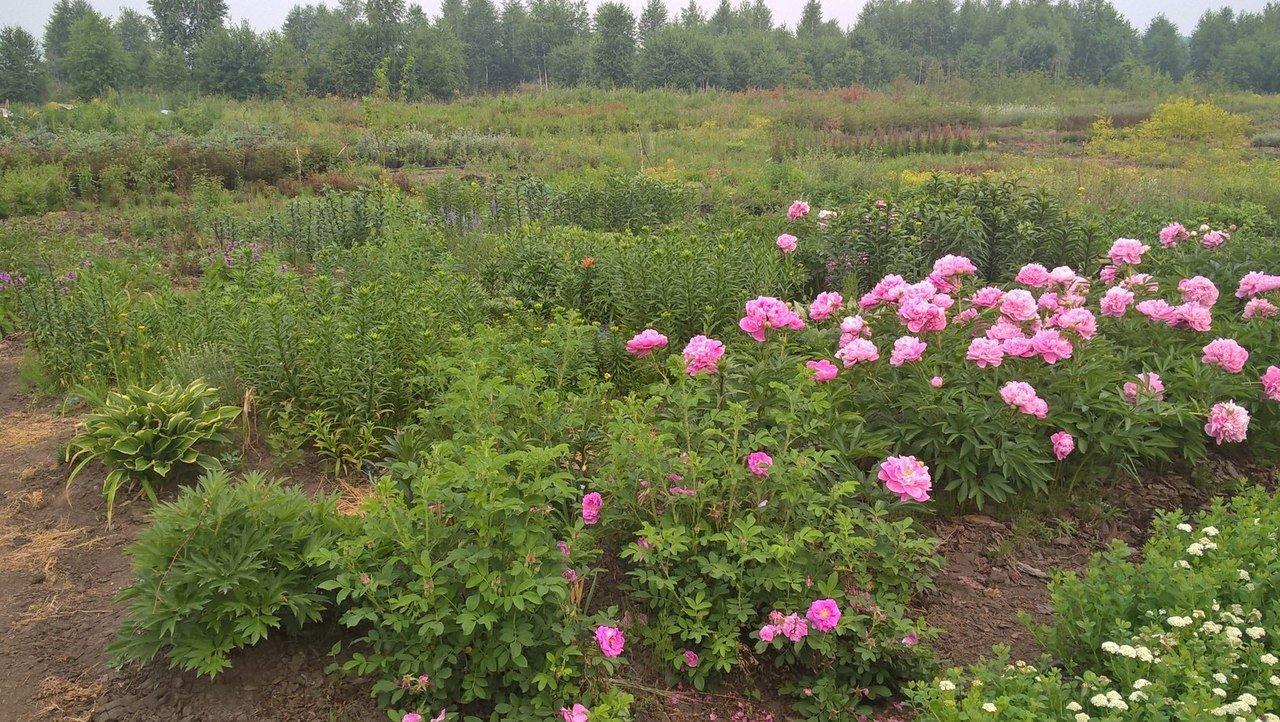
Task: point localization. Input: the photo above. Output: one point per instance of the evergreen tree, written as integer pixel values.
(691, 16)
(57, 32)
(652, 19)
(23, 78)
(135, 31)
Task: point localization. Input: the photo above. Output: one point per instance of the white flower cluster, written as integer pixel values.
(1243, 704)
(1127, 650)
(1111, 700)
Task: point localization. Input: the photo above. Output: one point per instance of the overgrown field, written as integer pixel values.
(618, 398)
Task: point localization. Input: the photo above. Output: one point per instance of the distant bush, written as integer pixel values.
(1173, 125)
(220, 568)
(32, 190)
(1266, 140)
(622, 202)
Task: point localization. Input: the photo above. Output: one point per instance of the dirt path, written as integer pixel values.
(60, 567)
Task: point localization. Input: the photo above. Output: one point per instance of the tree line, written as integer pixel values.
(389, 48)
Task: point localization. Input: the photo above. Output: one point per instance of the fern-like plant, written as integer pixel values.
(144, 435)
(221, 567)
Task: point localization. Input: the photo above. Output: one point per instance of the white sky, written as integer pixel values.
(266, 14)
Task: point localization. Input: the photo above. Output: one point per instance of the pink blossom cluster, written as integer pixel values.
(1022, 396)
(759, 463)
(702, 354)
(907, 477)
(1172, 233)
(823, 615)
(1226, 354)
(826, 303)
(765, 313)
(645, 343)
(1228, 422)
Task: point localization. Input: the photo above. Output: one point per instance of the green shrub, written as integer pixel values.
(1185, 632)
(32, 191)
(220, 568)
(1270, 139)
(145, 436)
(622, 202)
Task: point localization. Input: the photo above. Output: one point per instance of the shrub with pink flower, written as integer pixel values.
(907, 477)
(1228, 422)
(794, 627)
(907, 349)
(786, 243)
(1050, 345)
(591, 504)
(1127, 251)
(986, 297)
(1115, 301)
(765, 313)
(1257, 282)
(985, 352)
(1148, 384)
(1213, 239)
(1198, 290)
(1018, 305)
(1271, 383)
(702, 354)
(691, 658)
(645, 342)
(1063, 444)
(1172, 233)
(823, 614)
(759, 462)
(798, 210)
(1022, 396)
(1226, 354)
(827, 303)
(610, 639)
(577, 713)
(859, 350)
(1079, 321)
(823, 370)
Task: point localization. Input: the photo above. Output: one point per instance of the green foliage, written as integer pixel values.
(1174, 126)
(95, 59)
(23, 78)
(220, 568)
(147, 436)
(1184, 632)
(622, 202)
(32, 191)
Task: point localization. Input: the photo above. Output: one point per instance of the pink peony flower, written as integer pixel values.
(1107, 274)
(767, 312)
(759, 462)
(591, 504)
(1226, 354)
(1172, 233)
(857, 351)
(827, 303)
(1271, 383)
(768, 632)
(1127, 251)
(1157, 309)
(1003, 329)
(918, 315)
(824, 614)
(852, 327)
(1033, 275)
(1148, 384)
(1018, 305)
(823, 370)
(936, 382)
(1256, 282)
(907, 349)
(1050, 345)
(610, 640)
(1022, 396)
(786, 243)
(985, 352)
(798, 210)
(986, 297)
(1228, 421)
(1259, 308)
(1213, 239)
(577, 714)
(1048, 302)
(702, 354)
(907, 477)
(794, 627)
(1193, 316)
(1063, 444)
(1115, 301)
(690, 658)
(411, 717)
(1080, 321)
(644, 343)
(887, 290)
(1198, 290)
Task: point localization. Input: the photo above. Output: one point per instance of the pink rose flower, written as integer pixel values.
(690, 658)
(907, 477)
(823, 370)
(794, 627)
(577, 714)
(759, 462)
(824, 614)
(1227, 422)
(768, 632)
(1226, 354)
(610, 640)
(702, 354)
(786, 243)
(411, 717)
(591, 504)
(1063, 444)
(907, 349)
(798, 210)
(645, 342)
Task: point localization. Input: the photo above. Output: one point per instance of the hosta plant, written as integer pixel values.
(220, 568)
(146, 435)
